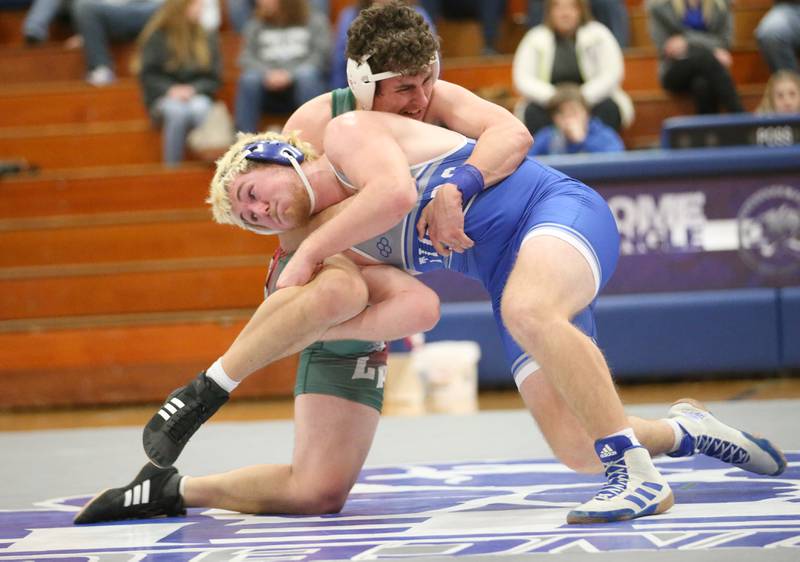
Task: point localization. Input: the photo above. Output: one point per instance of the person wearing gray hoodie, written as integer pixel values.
(283, 59)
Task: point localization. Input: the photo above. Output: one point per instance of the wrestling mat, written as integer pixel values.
(490, 509)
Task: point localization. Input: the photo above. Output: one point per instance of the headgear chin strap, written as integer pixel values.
(362, 81)
(284, 154)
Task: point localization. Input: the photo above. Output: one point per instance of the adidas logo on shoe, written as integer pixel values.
(155, 492)
(170, 407)
(633, 488)
(607, 451)
(137, 495)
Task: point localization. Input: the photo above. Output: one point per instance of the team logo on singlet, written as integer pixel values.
(384, 247)
(769, 230)
(425, 510)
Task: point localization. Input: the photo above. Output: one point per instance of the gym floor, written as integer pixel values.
(717, 389)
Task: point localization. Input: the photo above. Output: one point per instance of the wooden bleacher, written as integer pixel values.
(119, 359)
(53, 63)
(104, 272)
(115, 286)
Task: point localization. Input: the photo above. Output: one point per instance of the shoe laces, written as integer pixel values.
(720, 449)
(186, 421)
(617, 476)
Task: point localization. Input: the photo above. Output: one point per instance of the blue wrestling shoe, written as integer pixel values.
(703, 433)
(634, 488)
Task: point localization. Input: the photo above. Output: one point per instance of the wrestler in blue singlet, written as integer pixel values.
(534, 200)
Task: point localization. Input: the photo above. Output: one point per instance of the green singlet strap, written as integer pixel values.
(343, 101)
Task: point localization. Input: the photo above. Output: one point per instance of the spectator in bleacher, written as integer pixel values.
(570, 47)
(239, 11)
(574, 130)
(99, 21)
(180, 70)
(611, 13)
(693, 37)
(338, 78)
(283, 60)
(778, 35)
(36, 27)
(488, 12)
(782, 94)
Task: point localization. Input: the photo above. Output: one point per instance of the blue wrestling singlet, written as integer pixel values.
(534, 200)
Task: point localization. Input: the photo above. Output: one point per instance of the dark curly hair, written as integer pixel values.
(394, 36)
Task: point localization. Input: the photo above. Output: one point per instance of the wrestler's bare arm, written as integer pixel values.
(364, 147)
(310, 119)
(399, 304)
(502, 143)
(503, 140)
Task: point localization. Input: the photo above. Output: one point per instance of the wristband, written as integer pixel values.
(469, 181)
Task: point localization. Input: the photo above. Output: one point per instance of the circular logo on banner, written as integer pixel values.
(769, 230)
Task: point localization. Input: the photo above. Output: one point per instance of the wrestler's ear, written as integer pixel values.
(361, 82)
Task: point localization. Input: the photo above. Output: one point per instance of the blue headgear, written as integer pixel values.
(278, 152)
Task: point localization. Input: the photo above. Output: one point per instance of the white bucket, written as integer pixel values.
(403, 394)
(449, 372)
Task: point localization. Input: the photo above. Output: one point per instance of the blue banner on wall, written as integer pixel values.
(706, 234)
(689, 234)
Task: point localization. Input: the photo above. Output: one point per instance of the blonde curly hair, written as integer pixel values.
(233, 164)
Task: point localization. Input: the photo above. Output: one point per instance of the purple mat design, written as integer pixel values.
(456, 509)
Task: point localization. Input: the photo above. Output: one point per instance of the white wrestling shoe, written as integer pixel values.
(703, 433)
(634, 488)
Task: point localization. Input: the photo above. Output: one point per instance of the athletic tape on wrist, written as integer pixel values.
(469, 181)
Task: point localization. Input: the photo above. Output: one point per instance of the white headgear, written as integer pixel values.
(362, 81)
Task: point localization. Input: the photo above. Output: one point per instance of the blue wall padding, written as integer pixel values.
(790, 326)
(678, 333)
(659, 334)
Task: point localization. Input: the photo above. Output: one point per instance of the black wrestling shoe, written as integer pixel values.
(185, 410)
(153, 493)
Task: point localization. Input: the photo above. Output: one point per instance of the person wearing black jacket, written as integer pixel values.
(693, 39)
(179, 68)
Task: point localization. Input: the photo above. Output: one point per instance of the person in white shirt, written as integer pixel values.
(569, 47)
